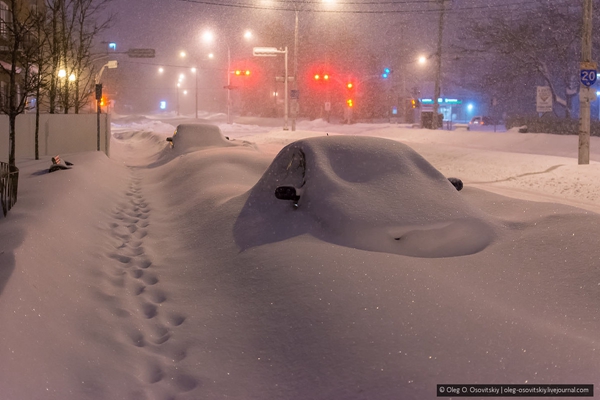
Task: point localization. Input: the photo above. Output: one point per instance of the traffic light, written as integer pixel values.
(386, 73)
(321, 77)
(239, 72)
(414, 103)
(102, 102)
(350, 94)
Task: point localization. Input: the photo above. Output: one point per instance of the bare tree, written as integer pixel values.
(20, 28)
(72, 27)
(541, 44)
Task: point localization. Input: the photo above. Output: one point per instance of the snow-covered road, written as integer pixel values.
(162, 274)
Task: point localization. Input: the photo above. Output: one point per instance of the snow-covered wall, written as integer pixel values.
(58, 134)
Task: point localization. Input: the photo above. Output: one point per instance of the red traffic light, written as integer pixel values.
(349, 85)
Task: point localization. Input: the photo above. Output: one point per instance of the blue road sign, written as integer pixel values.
(588, 77)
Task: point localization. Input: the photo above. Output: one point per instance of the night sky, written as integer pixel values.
(406, 29)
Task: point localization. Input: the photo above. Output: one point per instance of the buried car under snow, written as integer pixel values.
(335, 189)
(198, 135)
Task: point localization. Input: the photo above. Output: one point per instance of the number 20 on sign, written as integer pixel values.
(588, 74)
(588, 77)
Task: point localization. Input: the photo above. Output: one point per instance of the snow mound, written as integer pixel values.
(395, 202)
(189, 138)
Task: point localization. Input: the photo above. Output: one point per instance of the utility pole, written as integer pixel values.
(295, 82)
(587, 66)
(228, 85)
(438, 71)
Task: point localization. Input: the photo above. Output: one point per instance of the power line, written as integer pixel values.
(381, 3)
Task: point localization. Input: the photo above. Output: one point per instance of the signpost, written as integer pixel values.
(110, 64)
(544, 99)
(588, 73)
(141, 53)
(272, 52)
(588, 76)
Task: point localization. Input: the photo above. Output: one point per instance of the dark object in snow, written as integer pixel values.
(523, 129)
(287, 193)
(457, 183)
(58, 164)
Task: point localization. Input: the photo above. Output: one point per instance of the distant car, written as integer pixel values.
(480, 121)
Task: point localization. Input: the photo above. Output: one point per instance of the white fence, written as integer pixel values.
(58, 134)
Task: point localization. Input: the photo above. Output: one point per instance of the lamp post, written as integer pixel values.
(209, 37)
(421, 60)
(178, 85)
(272, 52)
(195, 71)
(295, 82)
(228, 85)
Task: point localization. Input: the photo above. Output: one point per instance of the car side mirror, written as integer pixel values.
(287, 193)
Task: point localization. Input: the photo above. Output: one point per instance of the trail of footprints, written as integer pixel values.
(137, 298)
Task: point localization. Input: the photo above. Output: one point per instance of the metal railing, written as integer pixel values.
(9, 182)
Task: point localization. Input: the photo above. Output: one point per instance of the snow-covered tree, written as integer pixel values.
(540, 44)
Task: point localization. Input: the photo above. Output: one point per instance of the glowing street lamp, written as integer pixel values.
(178, 86)
(209, 37)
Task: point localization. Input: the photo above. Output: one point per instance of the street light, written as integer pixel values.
(272, 52)
(195, 72)
(421, 60)
(178, 86)
(209, 37)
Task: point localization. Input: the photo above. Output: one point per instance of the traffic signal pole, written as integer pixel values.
(272, 52)
(228, 85)
(295, 82)
(584, 101)
(287, 92)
